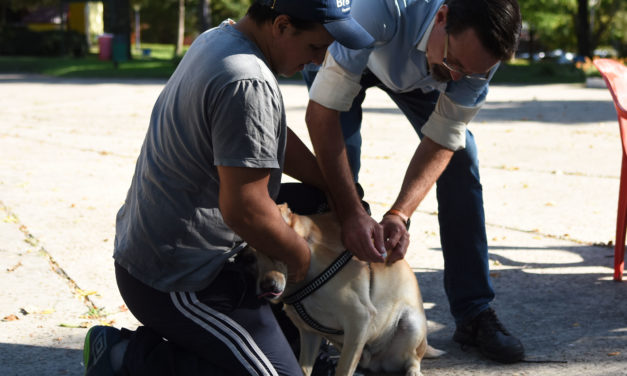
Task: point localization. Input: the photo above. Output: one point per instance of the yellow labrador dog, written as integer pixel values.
(373, 312)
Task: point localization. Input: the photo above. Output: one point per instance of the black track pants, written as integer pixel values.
(222, 330)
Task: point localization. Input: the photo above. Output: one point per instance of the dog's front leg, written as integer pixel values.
(309, 346)
(354, 342)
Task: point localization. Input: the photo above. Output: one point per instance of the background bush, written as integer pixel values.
(17, 40)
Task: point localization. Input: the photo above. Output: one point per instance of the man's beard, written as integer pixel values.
(439, 73)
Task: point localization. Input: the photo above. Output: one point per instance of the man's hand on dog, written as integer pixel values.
(363, 237)
(396, 237)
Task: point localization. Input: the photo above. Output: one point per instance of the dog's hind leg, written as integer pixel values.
(406, 346)
(309, 346)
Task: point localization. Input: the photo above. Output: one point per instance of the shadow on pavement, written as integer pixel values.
(18, 360)
(559, 301)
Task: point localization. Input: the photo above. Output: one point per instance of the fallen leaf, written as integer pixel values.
(10, 219)
(80, 292)
(31, 240)
(12, 269)
(614, 353)
(81, 325)
(10, 318)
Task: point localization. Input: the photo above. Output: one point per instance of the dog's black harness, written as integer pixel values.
(296, 298)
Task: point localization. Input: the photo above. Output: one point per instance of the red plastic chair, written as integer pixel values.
(615, 75)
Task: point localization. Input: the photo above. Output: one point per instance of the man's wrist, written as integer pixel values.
(401, 215)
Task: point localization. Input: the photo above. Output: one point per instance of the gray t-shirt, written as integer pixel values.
(221, 107)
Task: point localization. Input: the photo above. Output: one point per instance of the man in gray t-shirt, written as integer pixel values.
(204, 186)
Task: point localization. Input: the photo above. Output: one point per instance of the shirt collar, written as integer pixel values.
(422, 45)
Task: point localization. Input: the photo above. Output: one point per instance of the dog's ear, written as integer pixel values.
(286, 213)
(302, 225)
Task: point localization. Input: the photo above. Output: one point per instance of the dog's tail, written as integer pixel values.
(432, 352)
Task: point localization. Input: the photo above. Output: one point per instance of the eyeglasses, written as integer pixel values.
(452, 68)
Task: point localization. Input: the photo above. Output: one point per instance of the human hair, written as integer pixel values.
(496, 22)
(261, 14)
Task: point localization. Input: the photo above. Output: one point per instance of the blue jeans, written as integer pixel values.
(460, 200)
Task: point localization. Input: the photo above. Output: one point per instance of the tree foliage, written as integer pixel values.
(561, 23)
(552, 23)
(160, 17)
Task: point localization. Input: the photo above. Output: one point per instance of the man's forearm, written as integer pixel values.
(326, 136)
(426, 166)
(301, 164)
(250, 212)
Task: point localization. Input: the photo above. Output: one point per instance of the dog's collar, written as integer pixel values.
(320, 280)
(296, 298)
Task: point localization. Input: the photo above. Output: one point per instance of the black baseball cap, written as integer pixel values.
(334, 15)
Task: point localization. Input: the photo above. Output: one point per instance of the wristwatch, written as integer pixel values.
(400, 214)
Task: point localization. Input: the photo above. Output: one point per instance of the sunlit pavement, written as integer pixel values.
(550, 163)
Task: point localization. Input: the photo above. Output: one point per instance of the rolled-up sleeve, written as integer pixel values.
(334, 86)
(447, 124)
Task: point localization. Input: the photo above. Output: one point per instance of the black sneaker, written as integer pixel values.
(97, 350)
(326, 362)
(494, 341)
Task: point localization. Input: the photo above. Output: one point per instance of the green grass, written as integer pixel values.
(89, 66)
(157, 51)
(523, 72)
(160, 64)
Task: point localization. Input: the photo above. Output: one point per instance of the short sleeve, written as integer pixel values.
(246, 123)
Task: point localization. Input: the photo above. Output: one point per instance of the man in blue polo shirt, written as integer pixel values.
(434, 59)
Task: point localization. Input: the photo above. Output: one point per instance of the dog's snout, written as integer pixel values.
(270, 285)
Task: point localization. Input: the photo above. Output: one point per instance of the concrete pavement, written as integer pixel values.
(550, 163)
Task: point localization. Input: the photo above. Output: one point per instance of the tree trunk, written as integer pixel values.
(532, 35)
(181, 30)
(583, 29)
(204, 15)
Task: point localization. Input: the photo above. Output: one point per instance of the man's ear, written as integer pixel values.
(440, 16)
(280, 24)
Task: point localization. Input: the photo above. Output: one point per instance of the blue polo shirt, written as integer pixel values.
(398, 59)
